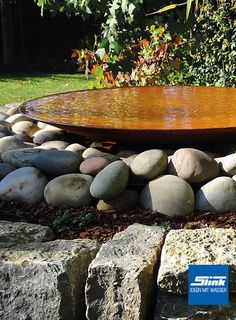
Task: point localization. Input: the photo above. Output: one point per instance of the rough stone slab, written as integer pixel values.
(175, 307)
(200, 246)
(14, 233)
(45, 280)
(120, 282)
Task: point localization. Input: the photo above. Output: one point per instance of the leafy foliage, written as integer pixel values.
(70, 220)
(132, 50)
(153, 60)
(211, 51)
(120, 20)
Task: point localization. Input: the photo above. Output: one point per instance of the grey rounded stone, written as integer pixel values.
(41, 125)
(193, 165)
(169, 195)
(55, 144)
(51, 127)
(111, 181)
(10, 143)
(218, 195)
(5, 169)
(16, 118)
(11, 108)
(125, 201)
(3, 115)
(58, 162)
(128, 161)
(27, 127)
(5, 125)
(30, 145)
(227, 164)
(91, 152)
(45, 135)
(70, 190)
(76, 147)
(149, 164)
(24, 157)
(4, 130)
(24, 184)
(23, 137)
(3, 134)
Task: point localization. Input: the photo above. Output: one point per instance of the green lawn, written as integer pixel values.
(22, 87)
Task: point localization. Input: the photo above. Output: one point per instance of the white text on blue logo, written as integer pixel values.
(210, 281)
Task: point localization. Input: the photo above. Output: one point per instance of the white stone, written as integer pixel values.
(24, 184)
(16, 118)
(91, 152)
(149, 164)
(76, 147)
(169, 195)
(218, 195)
(10, 143)
(227, 164)
(27, 127)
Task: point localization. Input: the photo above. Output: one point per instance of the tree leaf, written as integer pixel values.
(188, 8)
(124, 5)
(131, 9)
(101, 53)
(170, 7)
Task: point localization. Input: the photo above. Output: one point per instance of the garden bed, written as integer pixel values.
(88, 222)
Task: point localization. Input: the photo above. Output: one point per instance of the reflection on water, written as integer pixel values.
(156, 108)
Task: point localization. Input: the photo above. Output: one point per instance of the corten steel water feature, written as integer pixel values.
(142, 114)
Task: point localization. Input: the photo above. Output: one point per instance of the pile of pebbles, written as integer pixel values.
(42, 162)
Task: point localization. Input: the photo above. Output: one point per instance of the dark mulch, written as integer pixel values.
(90, 223)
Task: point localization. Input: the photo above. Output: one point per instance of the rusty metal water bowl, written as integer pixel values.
(160, 114)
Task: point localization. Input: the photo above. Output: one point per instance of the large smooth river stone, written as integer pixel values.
(10, 143)
(24, 184)
(149, 164)
(24, 157)
(169, 195)
(16, 118)
(193, 165)
(45, 135)
(70, 190)
(111, 181)
(227, 164)
(58, 162)
(5, 169)
(218, 195)
(54, 144)
(125, 201)
(94, 165)
(27, 127)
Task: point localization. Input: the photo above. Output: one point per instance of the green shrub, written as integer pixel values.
(69, 219)
(210, 53)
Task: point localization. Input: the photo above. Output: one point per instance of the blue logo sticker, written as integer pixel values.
(208, 284)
